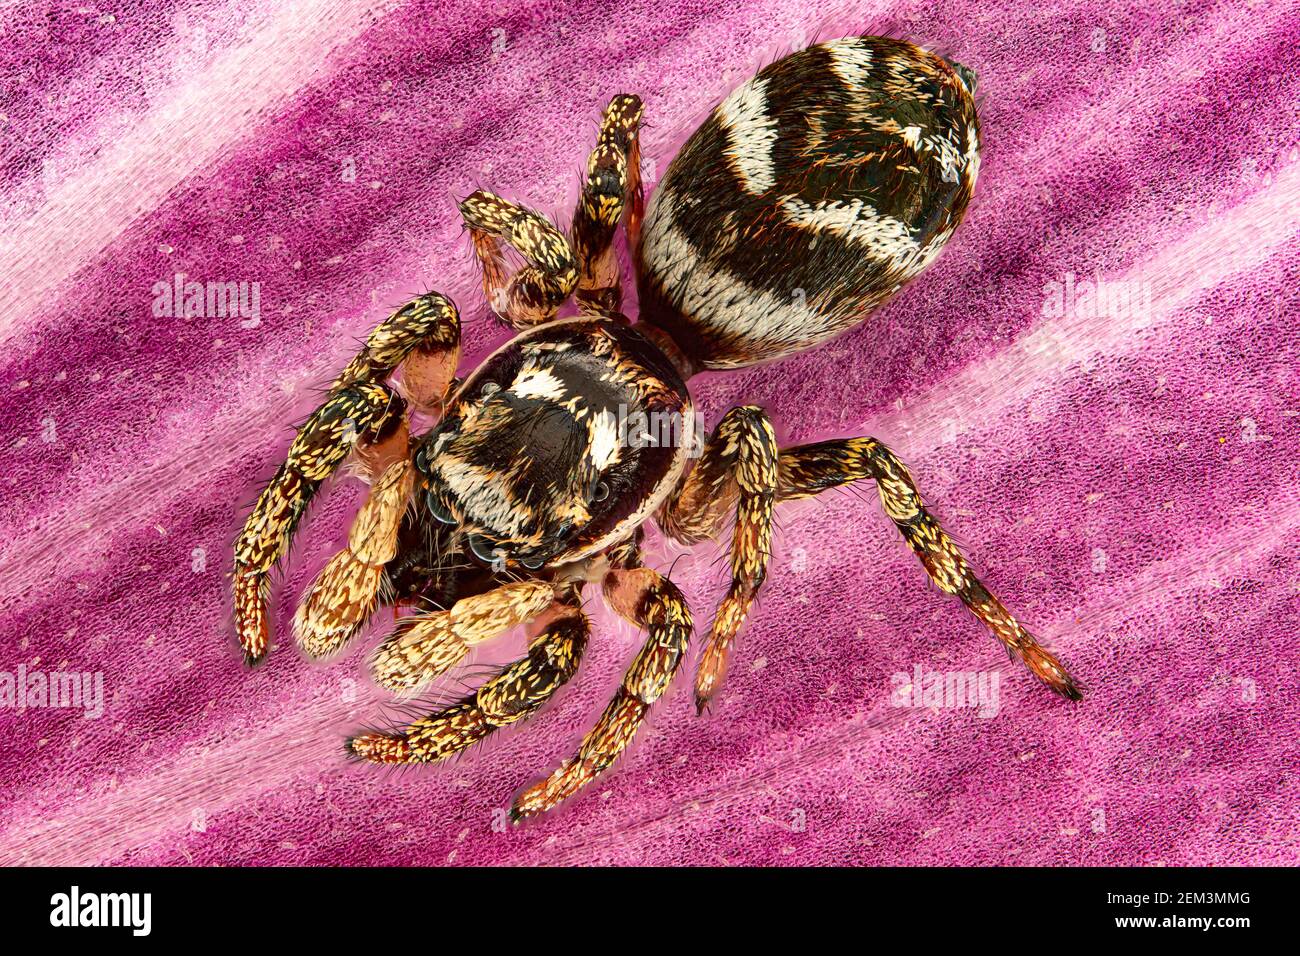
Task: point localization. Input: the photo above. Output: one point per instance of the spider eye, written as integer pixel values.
(439, 511)
(532, 564)
(601, 492)
(482, 549)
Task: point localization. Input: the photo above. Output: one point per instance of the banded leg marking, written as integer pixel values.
(738, 466)
(515, 693)
(346, 591)
(654, 603)
(425, 646)
(810, 469)
(612, 190)
(365, 411)
(535, 293)
(361, 416)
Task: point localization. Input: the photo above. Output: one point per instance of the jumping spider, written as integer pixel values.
(808, 197)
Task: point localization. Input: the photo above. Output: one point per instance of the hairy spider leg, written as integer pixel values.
(612, 191)
(346, 591)
(366, 411)
(809, 469)
(363, 416)
(516, 692)
(427, 645)
(534, 294)
(738, 466)
(423, 339)
(654, 603)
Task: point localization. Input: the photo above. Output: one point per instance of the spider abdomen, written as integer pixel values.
(808, 197)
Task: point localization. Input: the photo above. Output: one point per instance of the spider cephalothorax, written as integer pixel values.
(530, 459)
(808, 197)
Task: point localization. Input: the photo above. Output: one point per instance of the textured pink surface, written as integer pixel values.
(1128, 483)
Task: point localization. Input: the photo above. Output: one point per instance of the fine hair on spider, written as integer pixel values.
(809, 196)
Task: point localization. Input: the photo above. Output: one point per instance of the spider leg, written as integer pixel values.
(611, 191)
(423, 337)
(517, 691)
(535, 293)
(361, 415)
(738, 466)
(346, 591)
(809, 469)
(427, 645)
(364, 411)
(652, 602)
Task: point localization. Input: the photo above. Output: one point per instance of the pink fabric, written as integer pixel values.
(1126, 480)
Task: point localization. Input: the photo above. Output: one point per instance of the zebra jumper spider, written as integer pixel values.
(807, 198)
